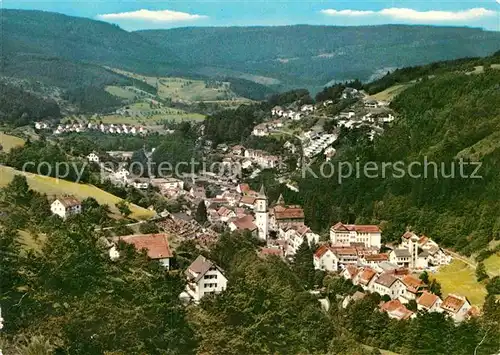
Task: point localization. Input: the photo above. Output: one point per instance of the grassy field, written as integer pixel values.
(57, 187)
(492, 265)
(481, 148)
(460, 278)
(120, 92)
(389, 93)
(9, 142)
(29, 241)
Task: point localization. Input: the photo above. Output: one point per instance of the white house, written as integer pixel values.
(429, 302)
(260, 130)
(156, 246)
(93, 158)
(122, 175)
(66, 206)
(345, 234)
(307, 108)
(295, 236)
(400, 257)
(204, 277)
(457, 307)
(325, 259)
(365, 278)
(388, 284)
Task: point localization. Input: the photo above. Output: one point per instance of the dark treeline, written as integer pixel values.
(18, 107)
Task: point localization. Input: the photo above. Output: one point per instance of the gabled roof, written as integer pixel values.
(386, 280)
(402, 253)
(156, 244)
(395, 309)
(453, 303)
(322, 250)
(366, 275)
(199, 267)
(352, 270)
(69, 201)
(408, 235)
(248, 200)
(427, 300)
(412, 283)
(245, 223)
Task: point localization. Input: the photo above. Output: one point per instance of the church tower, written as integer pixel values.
(261, 215)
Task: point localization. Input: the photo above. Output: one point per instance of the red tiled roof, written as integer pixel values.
(245, 223)
(391, 305)
(344, 251)
(396, 309)
(244, 188)
(155, 244)
(408, 235)
(427, 299)
(247, 200)
(366, 275)
(352, 270)
(412, 283)
(362, 228)
(289, 212)
(453, 303)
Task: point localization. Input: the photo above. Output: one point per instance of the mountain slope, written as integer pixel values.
(49, 34)
(314, 55)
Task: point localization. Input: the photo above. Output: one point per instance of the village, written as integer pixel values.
(353, 252)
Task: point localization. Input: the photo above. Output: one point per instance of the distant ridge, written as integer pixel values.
(280, 56)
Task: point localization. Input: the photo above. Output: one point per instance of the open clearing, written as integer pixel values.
(58, 187)
(391, 92)
(460, 278)
(182, 89)
(8, 142)
(492, 265)
(120, 92)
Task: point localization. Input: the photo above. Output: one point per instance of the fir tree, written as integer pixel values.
(201, 213)
(303, 264)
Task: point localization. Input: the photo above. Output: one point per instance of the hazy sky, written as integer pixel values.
(138, 14)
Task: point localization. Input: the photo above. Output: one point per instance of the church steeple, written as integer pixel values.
(262, 192)
(261, 215)
(281, 201)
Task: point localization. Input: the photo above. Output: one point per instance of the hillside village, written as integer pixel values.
(245, 256)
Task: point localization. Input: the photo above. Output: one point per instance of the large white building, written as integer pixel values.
(204, 277)
(346, 234)
(66, 206)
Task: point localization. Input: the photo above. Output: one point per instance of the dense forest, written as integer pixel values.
(19, 107)
(312, 56)
(68, 296)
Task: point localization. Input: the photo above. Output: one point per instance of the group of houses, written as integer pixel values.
(295, 115)
(203, 276)
(96, 127)
(266, 128)
(317, 142)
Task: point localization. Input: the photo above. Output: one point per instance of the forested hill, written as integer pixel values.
(280, 56)
(315, 55)
(45, 34)
(442, 119)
